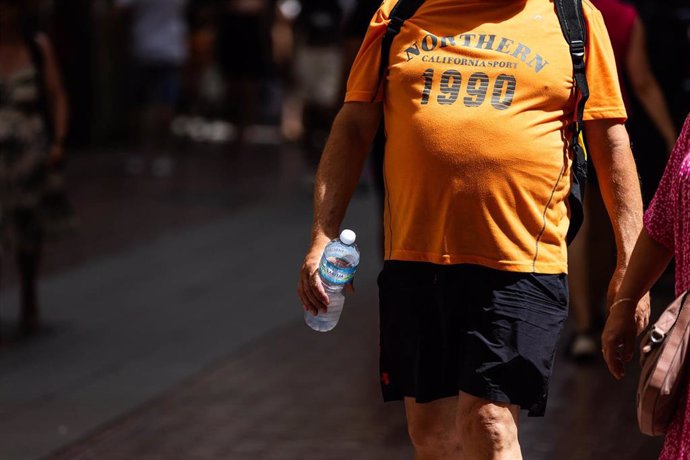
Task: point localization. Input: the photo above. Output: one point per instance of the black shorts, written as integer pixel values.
(488, 333)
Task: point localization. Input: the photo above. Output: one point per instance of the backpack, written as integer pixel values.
(663, 357)
(571, 19)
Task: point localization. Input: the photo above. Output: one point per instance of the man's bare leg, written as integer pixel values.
(488, 429)
(433, 429)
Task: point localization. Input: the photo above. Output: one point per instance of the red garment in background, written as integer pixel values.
(619, 18)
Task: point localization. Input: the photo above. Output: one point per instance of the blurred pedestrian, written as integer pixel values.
(245, 58)
(628, 38)
(33, 126)
(159, 50)
(666, 235)
(201, 82)
(318, 46)
(592, 254)
(479, 104)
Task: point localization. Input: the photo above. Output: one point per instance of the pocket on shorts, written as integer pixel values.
(538, 300)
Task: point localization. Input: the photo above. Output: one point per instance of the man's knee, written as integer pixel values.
(493, 424)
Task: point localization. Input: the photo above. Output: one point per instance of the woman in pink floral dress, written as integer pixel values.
(666, 234)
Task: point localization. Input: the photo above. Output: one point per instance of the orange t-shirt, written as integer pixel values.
(478, 105)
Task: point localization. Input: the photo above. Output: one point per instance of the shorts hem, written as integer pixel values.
(535, 409)
(497, 396)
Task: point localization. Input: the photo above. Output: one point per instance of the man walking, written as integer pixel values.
(479, 101)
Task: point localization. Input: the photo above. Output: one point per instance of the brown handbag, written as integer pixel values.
(663, 358)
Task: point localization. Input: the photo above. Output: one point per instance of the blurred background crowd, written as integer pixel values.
(243, 61)
(228, 71)
(243, 71)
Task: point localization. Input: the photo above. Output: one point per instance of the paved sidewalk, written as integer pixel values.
(295, 394)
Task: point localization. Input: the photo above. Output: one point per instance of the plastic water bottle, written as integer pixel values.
(337, 268)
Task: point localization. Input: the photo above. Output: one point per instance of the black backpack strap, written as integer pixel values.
(574, 28)
(401, 12)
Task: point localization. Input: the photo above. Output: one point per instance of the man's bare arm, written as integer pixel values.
(609, 148)
(339, 170)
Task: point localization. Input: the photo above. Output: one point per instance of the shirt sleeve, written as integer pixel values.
(363, 83)
(605, 99)
(659, 220)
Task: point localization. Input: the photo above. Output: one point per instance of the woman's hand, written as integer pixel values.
(627, 319)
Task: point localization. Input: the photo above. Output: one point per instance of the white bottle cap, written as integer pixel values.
(348, 237)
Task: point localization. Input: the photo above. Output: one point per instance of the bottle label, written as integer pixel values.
(332, 273)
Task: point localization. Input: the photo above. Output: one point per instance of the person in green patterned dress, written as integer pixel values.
(33, 125)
